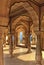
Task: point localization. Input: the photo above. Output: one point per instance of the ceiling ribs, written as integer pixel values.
(34, 2)
(23, 11)
(16, 2)
(19, 12)
(18, 8)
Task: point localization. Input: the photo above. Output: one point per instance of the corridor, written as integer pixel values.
(22, 32)
(20, 56)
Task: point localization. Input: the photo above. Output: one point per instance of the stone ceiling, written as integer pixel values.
(35, 1)
(31, 10)
(39, 1)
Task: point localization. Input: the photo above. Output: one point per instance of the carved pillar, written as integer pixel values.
(28, 39)
(13, 39)
(10, 39)
(16, 38)
(25, 40)
(11, 45)
(1, 48)
(38, 48)
(4, 39)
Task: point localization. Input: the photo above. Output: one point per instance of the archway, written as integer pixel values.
(21, 34)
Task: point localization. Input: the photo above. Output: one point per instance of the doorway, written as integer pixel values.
(21, 39)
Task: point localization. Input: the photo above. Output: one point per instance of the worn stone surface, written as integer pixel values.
(20, 57)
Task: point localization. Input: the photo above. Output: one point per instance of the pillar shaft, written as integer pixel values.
(10, 37)
(29, 45)
(15, 40)
(1, 52)
(26, 44)
(4, 40)
(1, 48)
(28, 39)
(38, 48)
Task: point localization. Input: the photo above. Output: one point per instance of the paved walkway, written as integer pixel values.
(20, 57)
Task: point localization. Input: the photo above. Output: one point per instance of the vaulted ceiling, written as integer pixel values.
(39, 1)
(20, 8)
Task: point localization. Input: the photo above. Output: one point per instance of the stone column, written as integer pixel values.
(1, 52)
(10, 39)
(1, 48)
(4, 40)
(38, 48)
(10, 45)
(28, 40)
(15, 38)
(25, 39)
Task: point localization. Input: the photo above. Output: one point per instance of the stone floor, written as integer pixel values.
(20, 57)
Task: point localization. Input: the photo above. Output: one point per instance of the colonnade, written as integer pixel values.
(16, 42)
(38, 48)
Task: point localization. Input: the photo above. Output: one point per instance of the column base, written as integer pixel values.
(29, 51)
(38, 63)
(11, 53)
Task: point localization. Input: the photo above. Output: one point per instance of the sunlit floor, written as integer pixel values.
(20, 56)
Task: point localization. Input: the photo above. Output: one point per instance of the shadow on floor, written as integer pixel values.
(15, 61)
